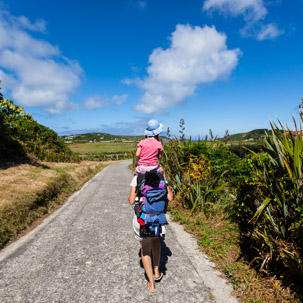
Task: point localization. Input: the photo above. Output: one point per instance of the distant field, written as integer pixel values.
(103, 147)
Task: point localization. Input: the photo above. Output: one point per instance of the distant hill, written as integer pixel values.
(253, 135)
(101, 137)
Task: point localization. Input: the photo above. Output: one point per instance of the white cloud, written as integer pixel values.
(196, 55)
(253, 12)
(8, 80)
(38, 26)
(269, 31)
(129, 81)
(96, 101)
(119, 100)
(33, 70)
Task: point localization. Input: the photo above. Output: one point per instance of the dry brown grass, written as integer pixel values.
(29, 192)
(25, 180)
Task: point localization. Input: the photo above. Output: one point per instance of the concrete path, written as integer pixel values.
(86, 252)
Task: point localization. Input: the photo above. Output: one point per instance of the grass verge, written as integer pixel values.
(31, 192)
(219, 239)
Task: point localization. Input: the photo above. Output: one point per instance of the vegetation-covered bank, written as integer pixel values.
(23, 138)
(29, 192)
(254, 202)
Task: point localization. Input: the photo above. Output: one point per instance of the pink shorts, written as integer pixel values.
(142, 169)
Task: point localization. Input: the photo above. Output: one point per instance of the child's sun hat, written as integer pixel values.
(153, 128)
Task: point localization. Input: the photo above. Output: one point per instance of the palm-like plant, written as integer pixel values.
(278, 228)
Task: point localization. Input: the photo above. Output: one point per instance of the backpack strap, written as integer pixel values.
(139, 186)
(140, 183)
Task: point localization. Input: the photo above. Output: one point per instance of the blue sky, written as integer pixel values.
(110, 66)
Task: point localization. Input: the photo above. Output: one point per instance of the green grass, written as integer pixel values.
(103, 147)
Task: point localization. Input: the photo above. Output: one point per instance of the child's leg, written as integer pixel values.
(160, 170)
(137, 170)
(141, 169)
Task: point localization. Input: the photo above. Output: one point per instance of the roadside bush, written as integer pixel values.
(272, 206)
(200, 172)
(10, 148)
(262, 192)
(244, 149)
(261, 189)
(21, 135)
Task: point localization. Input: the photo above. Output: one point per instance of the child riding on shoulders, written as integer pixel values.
(149, 150)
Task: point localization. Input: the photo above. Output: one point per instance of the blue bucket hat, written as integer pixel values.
(153, 128)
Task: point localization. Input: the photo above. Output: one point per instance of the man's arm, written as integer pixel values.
(169, 194)
(132, 195)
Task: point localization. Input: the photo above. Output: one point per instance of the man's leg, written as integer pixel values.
(156, 249)
(146, 248)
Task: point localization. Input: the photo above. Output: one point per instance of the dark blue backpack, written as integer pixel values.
(151, 210)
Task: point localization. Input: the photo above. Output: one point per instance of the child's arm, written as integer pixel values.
(138, 152)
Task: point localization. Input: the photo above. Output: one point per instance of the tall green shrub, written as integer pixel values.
(199, 171)
(273, 208)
